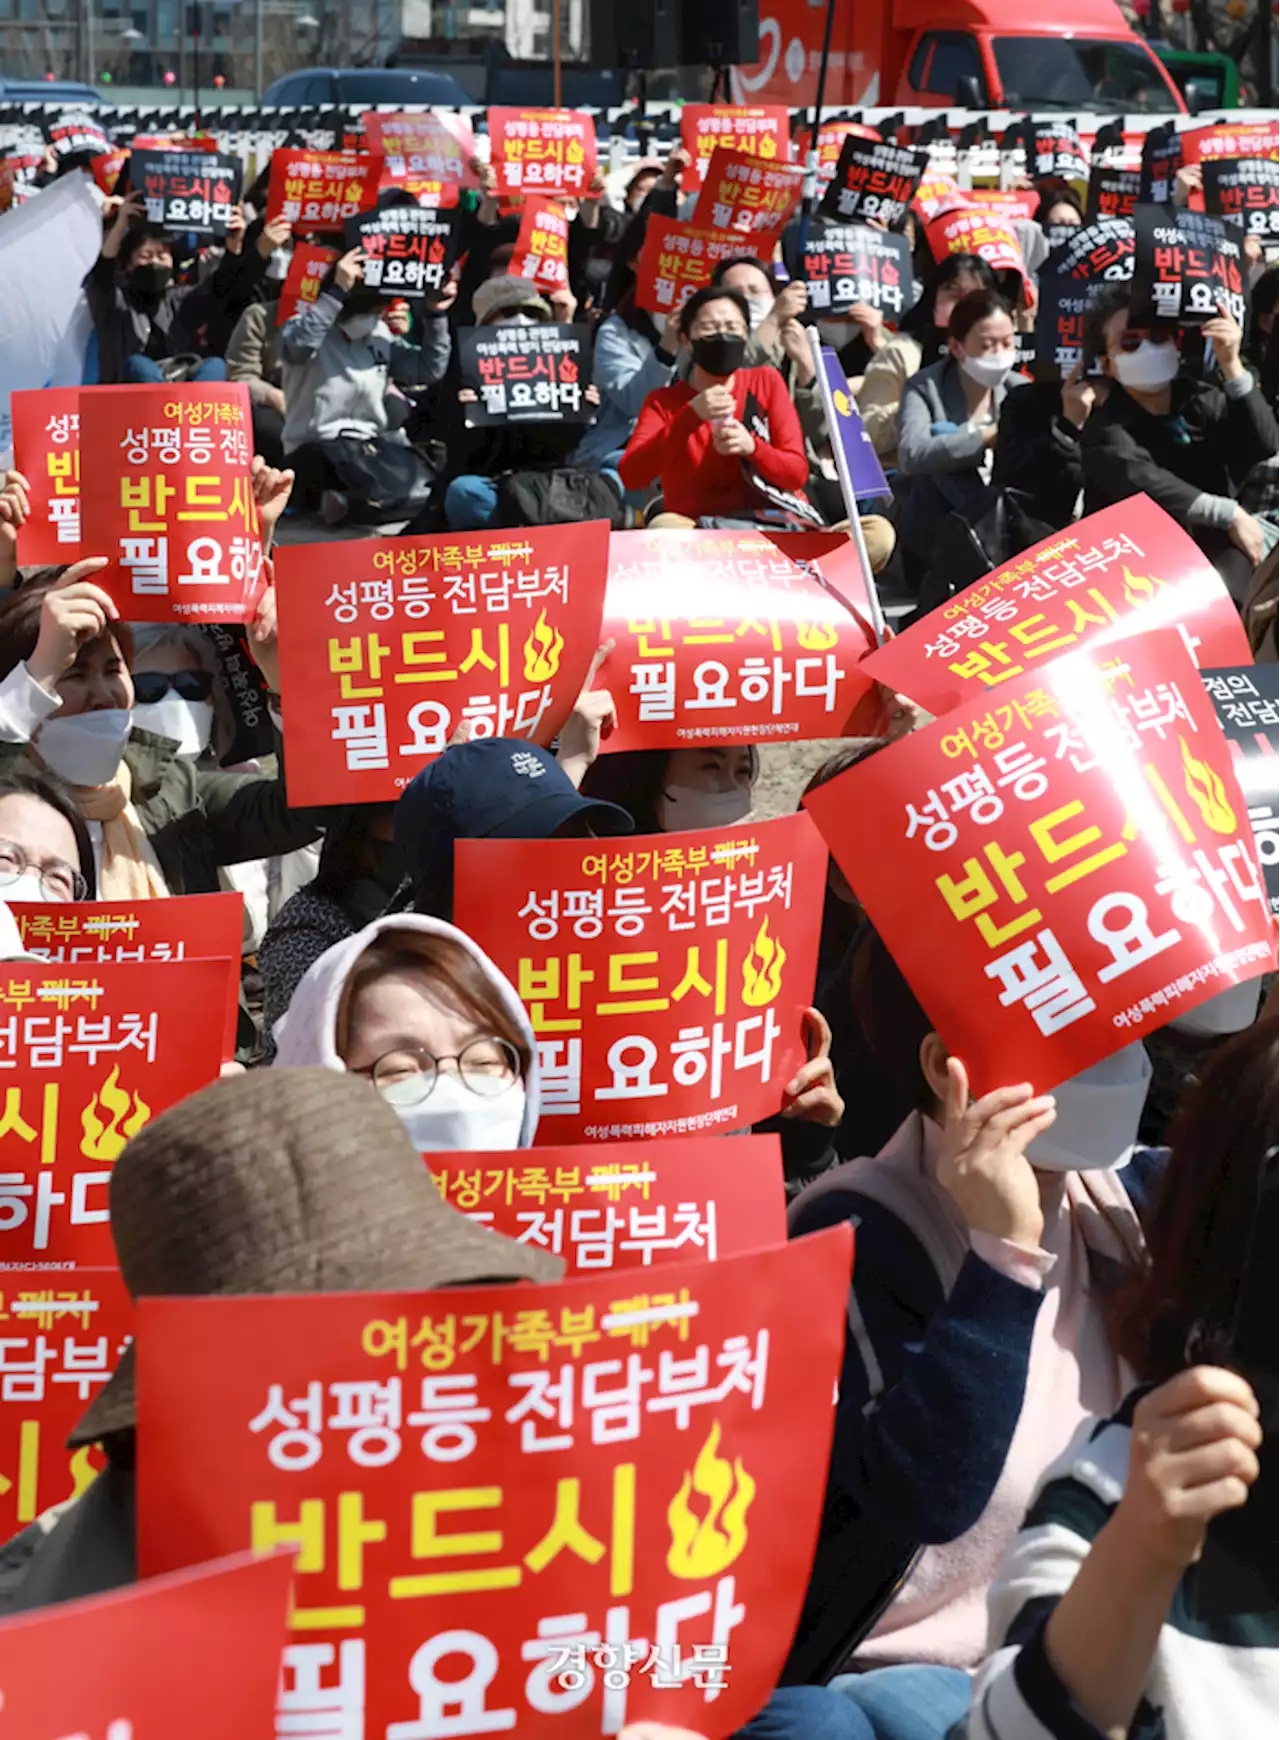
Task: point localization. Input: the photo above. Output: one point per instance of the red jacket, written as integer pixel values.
(671, 443)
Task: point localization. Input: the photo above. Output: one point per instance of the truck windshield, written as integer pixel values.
(1058, 72)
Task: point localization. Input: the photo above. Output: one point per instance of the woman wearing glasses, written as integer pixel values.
(45, 852)
(158, 822)
(414, 1006)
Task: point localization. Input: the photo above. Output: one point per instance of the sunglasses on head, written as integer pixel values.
(1159, 332)
(152, 686)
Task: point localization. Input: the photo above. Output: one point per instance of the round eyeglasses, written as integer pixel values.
(407, 1075)
(58, 881)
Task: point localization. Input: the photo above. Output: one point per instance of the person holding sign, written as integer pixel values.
(159, 825)
(978, 1342)
(702, 439)
(400, 1002)
(1186, 444)
(1158, 1612)
(950, 418)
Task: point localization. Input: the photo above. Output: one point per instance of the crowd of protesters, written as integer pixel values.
(1052, 1500)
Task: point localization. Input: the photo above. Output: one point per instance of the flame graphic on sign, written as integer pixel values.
(817, 636)
(762, 969)
(705, 1547)
(542, 651)
(106, 1140)
(768, 145)
(1208, 791)
(1139, 588)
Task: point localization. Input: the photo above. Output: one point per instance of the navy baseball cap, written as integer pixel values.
(495, 788)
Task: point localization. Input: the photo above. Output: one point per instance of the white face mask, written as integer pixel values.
(836, 333)
(189, 724)
(759, 309)
(361, 326)
(453, 1119)
(85, 749)
(1148, 368)
(520, 318)
(27, 887)
(681, 807)
(990, 371)
(1098, 1112)
(1231, 1011)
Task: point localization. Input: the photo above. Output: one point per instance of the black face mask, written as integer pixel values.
(722, 353)
(153, 279)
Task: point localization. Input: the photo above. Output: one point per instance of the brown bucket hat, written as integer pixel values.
(287, 1181)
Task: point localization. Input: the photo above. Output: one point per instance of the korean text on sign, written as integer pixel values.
(697, 1196)
(751, 197)
(61, 1336)
(1245, 702)
(138, 1661)
(1186, 267)
(666, 978)
(873, 181)
(543, 150)
(307, 272)
(408, 250)
(46, 450)
(1084, 845)
(438, 147)
(386, 648)
(525, 374)
(733, 637)
(844, 264)
(1119, 572)
(764, 132)
(88, 1055)
(169, 500)
(320, 190)
(598, 1500)
(676, 260)
(187, 190)
(196, 927)
(542, 246)
(992, 238)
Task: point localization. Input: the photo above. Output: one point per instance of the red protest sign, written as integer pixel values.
(653, 1543)
(666, 980)
(1008, 201)
(874, 182)
(733, 637)
(699, 1196)
(196, 1655)
(937, 194)
(18, 172)
(46, 450)
(169, 500)
(61, 1337)
(764, 132)
(1226, 139)
(973, 231)
(106, 170)
(436, 147)
(385, 648)
(197, 927)
(543, 150)
(1117, 573)
(307, 271)
(320, 190)
(831, 138)
(676, 260)
(1060, 874)
(542, 246)
(747, 196)
(94, 1053)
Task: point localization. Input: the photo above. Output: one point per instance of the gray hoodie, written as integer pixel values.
(306, 1034)
(335, 385)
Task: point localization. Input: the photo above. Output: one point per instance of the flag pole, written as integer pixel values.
(846, 488)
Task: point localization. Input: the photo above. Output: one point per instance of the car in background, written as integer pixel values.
(64, 91)
(364, 87)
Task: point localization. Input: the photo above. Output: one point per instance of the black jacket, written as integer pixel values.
(1038, 454)
(188, 318)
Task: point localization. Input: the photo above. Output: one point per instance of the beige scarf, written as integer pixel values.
(129, 869)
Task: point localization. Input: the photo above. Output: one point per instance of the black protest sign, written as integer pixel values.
(1161, 161)
(246, 689)
(1244, 698)
(1055, 152)
(408, 249)
(1071, 278)
(1246, 191)
(848, 263)
(873, 181)
(74, 134)
(1185, 268)
(188, 190)
(526, 374)
(1112, 192)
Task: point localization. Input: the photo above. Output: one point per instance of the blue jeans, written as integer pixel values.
(915, 1701)
(471, 503)
(805, 1713)
(141, 370)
